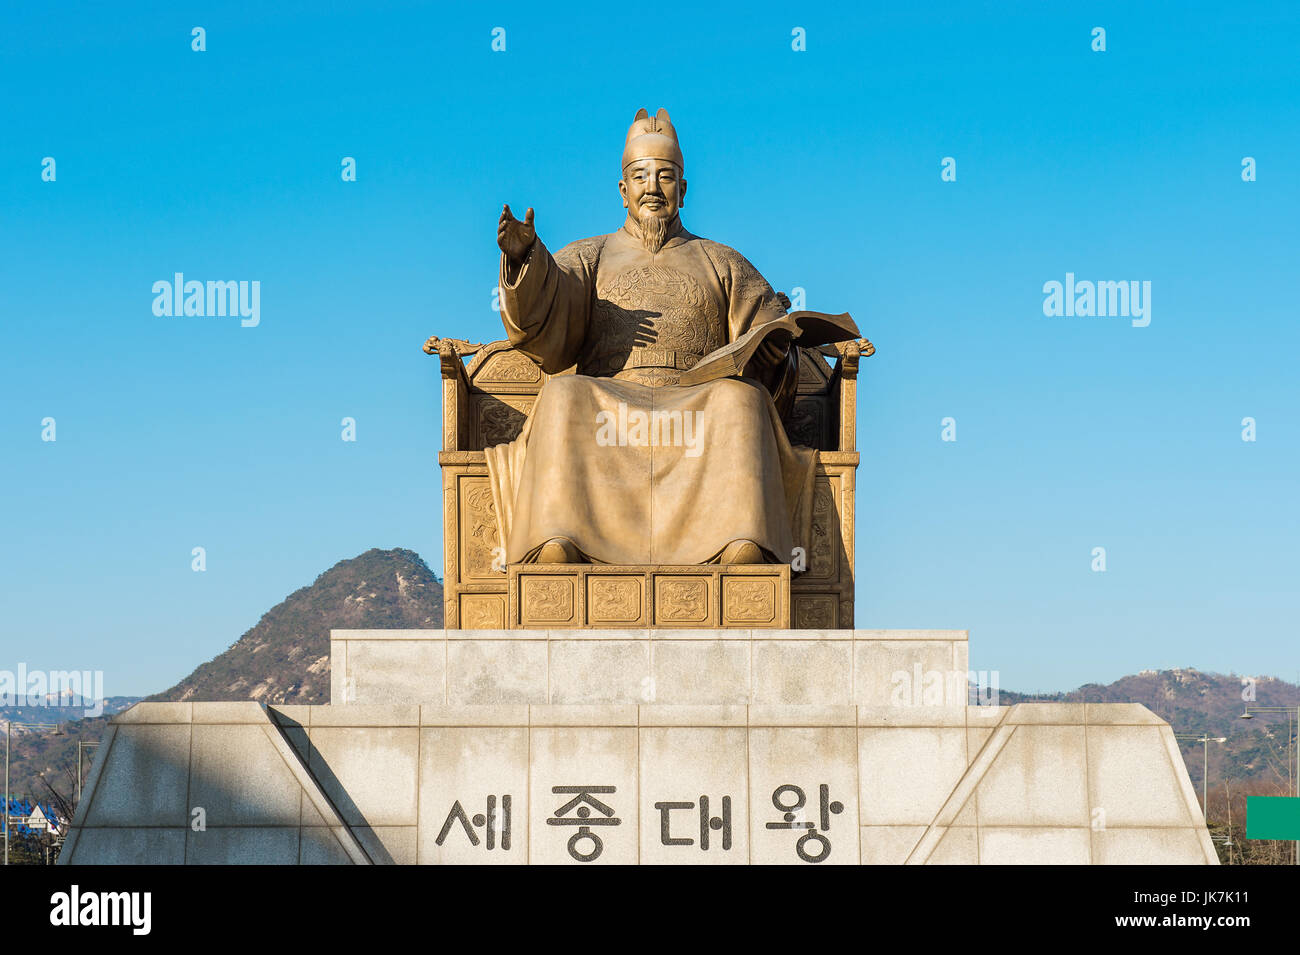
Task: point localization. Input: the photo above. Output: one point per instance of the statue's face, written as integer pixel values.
(652, 187)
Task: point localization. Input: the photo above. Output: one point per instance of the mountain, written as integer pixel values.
(285, 658)
(1182, 689)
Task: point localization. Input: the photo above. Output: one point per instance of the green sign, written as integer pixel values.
(1272, 817)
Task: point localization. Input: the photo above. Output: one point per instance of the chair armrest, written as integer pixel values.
(452, 353)
(844, 386)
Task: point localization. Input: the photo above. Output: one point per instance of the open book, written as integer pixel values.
(808, 329)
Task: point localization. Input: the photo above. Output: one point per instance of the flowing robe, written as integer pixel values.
(618, 458)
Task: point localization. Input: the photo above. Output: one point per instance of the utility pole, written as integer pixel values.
(9, 725)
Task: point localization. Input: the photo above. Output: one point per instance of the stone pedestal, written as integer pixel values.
(618, 596)
(876, 668)
(642, 746)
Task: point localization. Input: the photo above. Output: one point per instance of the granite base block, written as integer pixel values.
(783, 749)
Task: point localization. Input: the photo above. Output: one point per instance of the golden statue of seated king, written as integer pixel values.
(640, 448)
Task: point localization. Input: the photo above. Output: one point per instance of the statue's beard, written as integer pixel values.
(654, 230)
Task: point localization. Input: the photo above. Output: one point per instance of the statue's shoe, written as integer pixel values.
(559, 550)
(742, 552)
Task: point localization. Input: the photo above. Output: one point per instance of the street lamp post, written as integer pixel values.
(1292, 777)
(82, 744)
(1205, 740)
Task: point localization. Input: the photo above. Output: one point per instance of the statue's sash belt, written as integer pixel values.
(660, 358)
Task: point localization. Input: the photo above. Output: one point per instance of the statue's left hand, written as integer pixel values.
(771, 353)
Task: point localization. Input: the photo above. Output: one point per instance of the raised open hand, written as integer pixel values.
(514, 237)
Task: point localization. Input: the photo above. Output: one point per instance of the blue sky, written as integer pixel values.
(822, 167)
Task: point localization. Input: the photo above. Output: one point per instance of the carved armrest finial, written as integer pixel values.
(447, 347)
(451, 353)
(848, 353)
